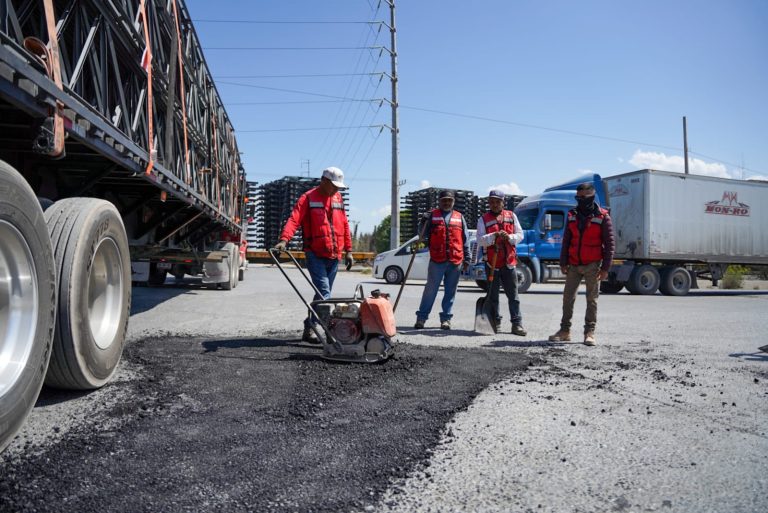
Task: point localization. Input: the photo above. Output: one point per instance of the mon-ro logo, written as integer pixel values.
(729, 205)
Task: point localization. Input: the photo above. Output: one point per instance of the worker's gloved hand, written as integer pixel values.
(349, 260)
(280, 246)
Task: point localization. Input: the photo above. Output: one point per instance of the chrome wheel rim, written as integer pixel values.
(105, 293)
(19, 308)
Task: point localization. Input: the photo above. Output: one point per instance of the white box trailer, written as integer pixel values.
(671, 228)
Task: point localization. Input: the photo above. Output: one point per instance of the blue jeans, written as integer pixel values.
(447, 273)
(508, 277)
(322, 271)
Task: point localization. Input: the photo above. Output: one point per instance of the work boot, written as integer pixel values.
(419, 324)
(309, 336)
(517, 329)
(589, 338)
(561, 336)
(445, 325)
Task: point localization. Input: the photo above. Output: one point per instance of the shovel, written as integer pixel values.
(485, 319)
(410, 264)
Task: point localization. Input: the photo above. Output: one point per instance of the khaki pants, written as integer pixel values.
(590, 273)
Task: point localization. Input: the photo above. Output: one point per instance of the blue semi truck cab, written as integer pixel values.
(543, 218)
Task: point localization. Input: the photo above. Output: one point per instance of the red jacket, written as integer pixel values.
(446, 243)
(587, 247)
(506, 222)
(323, 223)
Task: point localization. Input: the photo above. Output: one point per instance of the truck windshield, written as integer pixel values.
(527, 218)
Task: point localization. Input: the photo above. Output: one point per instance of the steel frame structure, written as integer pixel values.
(145, 126)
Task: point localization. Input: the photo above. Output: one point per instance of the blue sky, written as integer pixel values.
(518, 94)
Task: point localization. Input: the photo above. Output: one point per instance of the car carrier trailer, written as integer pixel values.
(116, 153)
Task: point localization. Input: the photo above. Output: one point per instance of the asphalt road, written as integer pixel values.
(218, 407)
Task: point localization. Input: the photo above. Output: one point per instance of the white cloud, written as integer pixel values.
(676, 163)
(508, 188)
(585, 171)
(425, 184)
(382, 211)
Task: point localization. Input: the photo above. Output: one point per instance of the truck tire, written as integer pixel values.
(156, 276)
(232, 255)
(611, 286)
(93, 265)
(675, 281)
(524, 278)
(235, 269)
(27, 301)
(644, 280)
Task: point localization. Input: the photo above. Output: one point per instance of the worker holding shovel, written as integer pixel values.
(499, 231)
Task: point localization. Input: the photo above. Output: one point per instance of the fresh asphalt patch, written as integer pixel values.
(255, 425)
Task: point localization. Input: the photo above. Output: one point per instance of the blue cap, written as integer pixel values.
(496, 193)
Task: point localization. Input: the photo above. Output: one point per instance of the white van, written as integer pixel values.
(391, 265)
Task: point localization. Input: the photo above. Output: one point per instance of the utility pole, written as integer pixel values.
(685, 143)
(394, 234)
(305, 161)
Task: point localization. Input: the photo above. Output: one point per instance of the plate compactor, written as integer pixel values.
(356, 329)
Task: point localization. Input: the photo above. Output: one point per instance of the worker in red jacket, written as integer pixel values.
(325, 229)
(586, 253)
(445, 231)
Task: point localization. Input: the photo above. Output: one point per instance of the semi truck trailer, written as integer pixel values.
(671, 229)
(118, 162)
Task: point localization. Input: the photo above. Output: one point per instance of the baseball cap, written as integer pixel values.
(496, 193)
(445, 193)
(336, 176)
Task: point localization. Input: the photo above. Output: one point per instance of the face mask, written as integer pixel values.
(586, 203)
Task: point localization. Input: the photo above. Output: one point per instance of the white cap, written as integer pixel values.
(336, 176)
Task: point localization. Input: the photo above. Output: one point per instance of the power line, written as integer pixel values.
(305, 129)
(725, 162)
(573, 132)
(365, 38)
(538, 127)
(300, 76)
(283, 22)
(301, 48)
(297, 91)
(304, 102)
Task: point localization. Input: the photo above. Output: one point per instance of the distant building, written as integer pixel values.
(425, 200)
(510, 202)
(252, 230)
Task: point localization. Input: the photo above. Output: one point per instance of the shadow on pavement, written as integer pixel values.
(50, 396)
(435, 332)
(751, 357)
(145, 298)
(524, 343)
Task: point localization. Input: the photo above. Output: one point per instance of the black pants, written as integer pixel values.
(506, 276)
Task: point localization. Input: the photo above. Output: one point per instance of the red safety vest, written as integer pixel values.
(446, 243)
(586, 248)
(323, 222)
(493, 223)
